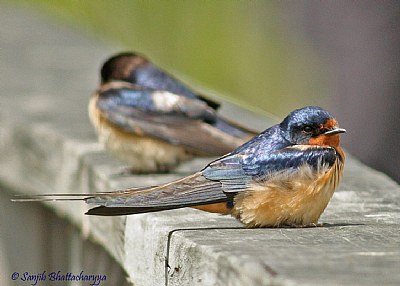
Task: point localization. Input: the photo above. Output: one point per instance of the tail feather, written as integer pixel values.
(50, 197)
(235, 129)
(188, 191)
(69, 197)
(191, 191)
(116, 211)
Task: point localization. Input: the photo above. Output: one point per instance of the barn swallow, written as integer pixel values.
(285, 176)
(152, 122)
(137, 69)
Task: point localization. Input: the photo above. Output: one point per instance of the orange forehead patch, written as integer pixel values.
(330, 123)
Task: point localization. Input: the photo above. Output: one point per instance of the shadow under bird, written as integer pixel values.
(151, 121)
(285, 176)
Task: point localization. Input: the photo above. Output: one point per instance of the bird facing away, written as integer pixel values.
(285, 176)
(152, 122)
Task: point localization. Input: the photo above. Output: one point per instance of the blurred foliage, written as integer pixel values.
(243, 50)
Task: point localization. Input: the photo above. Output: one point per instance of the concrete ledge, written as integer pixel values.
(47, 146)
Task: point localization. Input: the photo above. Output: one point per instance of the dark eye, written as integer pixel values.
(307, 129)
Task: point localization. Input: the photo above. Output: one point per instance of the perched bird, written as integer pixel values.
(151, 121)
(137, 69)
(285, 176)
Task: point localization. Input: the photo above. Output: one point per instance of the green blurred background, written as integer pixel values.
(240, 49)
(270, 56)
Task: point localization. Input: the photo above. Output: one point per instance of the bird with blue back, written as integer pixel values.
(150, 120)
(285, 176)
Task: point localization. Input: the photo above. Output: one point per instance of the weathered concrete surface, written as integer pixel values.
(47, 145)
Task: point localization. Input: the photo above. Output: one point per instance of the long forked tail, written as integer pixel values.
(191, 191)
(50, 197)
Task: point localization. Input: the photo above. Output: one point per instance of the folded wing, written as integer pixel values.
(189, 191)
(166, 116)
(237, 171)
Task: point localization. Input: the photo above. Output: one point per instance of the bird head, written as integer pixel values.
(311, 125)
(121, 67)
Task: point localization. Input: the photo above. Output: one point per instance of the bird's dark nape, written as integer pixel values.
(114, 66)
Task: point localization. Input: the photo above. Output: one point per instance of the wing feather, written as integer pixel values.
(169, 117)
(189, 191)
(237, 171)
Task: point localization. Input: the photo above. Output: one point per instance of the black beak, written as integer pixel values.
(335, 131)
